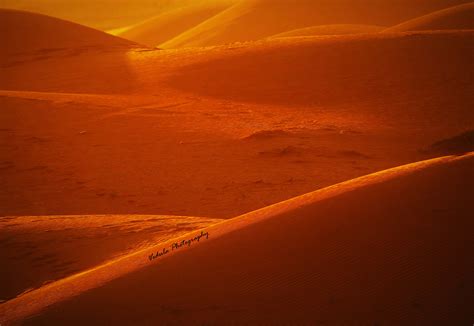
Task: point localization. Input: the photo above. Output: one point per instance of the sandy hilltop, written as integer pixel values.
(236, 162)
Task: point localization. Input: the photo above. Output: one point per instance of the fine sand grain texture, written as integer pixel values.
(356, 252)
(455, 18)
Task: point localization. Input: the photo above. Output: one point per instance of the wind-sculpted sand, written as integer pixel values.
(356, 252)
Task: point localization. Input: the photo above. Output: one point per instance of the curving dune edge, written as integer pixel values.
(72, 295)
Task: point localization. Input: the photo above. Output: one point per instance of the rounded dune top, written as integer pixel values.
(25, 32)
(256, 19)
(457, 18)
(170, 24)
(334, 29)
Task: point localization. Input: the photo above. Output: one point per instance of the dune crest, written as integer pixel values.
(455, 18)
(251, 20)
(335, 29)
(170, 24)
(328, 243)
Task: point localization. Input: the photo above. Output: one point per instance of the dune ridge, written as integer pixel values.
(171, 23)
(251, 20)
(459, 17)
(293, 219)
(334, 29)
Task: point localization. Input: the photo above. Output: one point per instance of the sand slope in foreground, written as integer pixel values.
(392, 247)
(456, 18)
(39, 249)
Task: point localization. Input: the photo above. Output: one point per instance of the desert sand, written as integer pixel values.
(128, 171)
(335, 29)
(356, 252)
(252, 131)
(172, 23)
(27, 33)
(104, 14)
(36, 250)
(256, 19)
(455, 18)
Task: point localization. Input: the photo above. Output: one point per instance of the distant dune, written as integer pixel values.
(256, 19)
(457, 18)
(103, 14)
(354, 71)
(171, 23)
(26, 32)
(366, 251)
(336, 29)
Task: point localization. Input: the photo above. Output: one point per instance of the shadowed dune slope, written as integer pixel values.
(457, 18)
(366, 71)
(393, 247)
(169, 24)
(256, 19)
(336, 29)
(25, 32)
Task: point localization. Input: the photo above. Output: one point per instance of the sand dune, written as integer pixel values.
(356, 252)
(456, 18)
(336, 29)
(26, 32)
(256, 19)
(103, 14)
(39, 249)
(337, 108)
(359, 72)
(171, 23)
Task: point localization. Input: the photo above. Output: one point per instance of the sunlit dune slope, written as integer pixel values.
(257, 19)
(38, 249)
(103, 14)
(392, 247)
(336, 29)
(24, 32)
(171, 23)
(458, 17)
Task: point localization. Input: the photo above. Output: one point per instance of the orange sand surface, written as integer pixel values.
(35, 250)
(335, 29)
(356, 252)
(459, 17)
(111, 146)
(251, 20)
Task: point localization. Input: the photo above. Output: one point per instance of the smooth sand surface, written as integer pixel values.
(35, 250)
(29, 33)
(256, 19)
(258, 123)
(365, 251)
(335, 29)
(172, 23)
(103, 14)
(455, 18)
